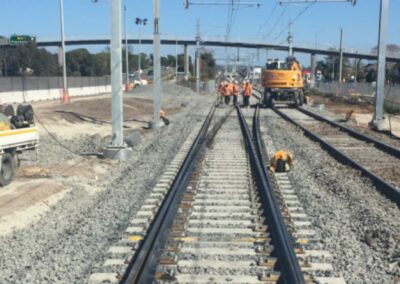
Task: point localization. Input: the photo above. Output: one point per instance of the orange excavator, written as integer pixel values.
(283, 83)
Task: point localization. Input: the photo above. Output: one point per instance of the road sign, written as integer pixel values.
(21, 39)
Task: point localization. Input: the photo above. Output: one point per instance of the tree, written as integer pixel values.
(207, 65)
(80, 63)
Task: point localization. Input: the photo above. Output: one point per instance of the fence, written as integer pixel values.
(363, 90)
(28, 88)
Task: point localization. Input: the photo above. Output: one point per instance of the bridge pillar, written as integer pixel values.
(186, 60)
(312, 69)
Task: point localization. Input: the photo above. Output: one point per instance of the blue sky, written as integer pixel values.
(319, 23)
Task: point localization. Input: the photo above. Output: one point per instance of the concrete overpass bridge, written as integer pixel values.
(220, 42)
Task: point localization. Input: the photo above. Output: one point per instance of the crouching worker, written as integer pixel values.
(164, 119)
(281, 162)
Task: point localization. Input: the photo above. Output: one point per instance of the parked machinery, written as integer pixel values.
(17, 134)
(283, 83)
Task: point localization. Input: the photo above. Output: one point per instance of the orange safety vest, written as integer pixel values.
(247, 90)
(227, 91)
(235, 90)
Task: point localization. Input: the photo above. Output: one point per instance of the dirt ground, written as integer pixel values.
(362, 113)
(37, 187)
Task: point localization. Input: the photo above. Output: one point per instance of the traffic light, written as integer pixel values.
(186, 4)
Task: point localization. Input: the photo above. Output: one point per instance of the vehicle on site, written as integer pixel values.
(18, 133)
(283, 82)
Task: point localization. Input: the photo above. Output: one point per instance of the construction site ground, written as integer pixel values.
(66, 131)
(362, 113)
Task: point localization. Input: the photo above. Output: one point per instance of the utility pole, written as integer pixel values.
(378, 118)
(156, 122)
(341, 57)
(198, 56)
(290, 40)
(64, 96)
(126, 54)
(117, 149)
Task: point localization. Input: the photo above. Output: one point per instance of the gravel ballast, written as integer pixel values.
(65, 245)
(358, 225)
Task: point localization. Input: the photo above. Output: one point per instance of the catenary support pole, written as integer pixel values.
(157, 67)
(290, 40)
(380, 83)
(116, 73)
(176, 60)
(126, 53)
(341, 57)
(186, 61)
(198, 56)
(117, 149)
(312, 70)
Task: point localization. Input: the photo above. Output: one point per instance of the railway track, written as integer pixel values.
(218, 216)
(376, 160)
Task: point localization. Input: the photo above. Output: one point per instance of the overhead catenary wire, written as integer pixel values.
(280, 33)
(267, 20)
(276, 23)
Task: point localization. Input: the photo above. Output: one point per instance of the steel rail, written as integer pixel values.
(142, 267)
(287, 259)
(378, 144)
(390, 191)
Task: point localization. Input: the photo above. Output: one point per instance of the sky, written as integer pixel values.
(314, 24)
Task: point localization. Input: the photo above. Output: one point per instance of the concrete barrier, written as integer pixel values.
(50, 94)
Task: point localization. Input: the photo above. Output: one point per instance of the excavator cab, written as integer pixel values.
(283, 83)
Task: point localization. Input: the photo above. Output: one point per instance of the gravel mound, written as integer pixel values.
(74, 236)
(359, 226)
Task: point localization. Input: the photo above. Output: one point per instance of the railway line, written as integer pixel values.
(219, 216)
(376, 160)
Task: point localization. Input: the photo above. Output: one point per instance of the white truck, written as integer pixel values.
(15, 140)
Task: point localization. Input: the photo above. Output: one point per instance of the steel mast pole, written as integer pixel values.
(65, 95)
(378, 119)
(157, 67)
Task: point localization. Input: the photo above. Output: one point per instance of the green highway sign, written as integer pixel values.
(21, 39)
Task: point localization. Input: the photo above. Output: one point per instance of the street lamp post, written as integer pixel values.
(139, 22)
(64, 95)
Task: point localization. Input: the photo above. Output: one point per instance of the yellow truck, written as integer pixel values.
(283, 83)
